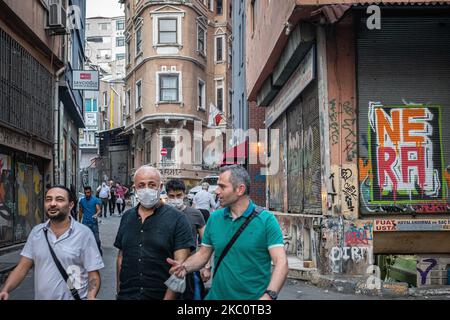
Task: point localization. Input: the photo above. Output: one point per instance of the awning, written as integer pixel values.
(236, 155)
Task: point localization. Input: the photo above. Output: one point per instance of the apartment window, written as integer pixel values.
(219, 48)
(94, 39)
(120, 56)
(90, 105)
(219, 97)
(201, 39)
(103, 26)
(253, 14)
(128, 102)
(105, 98)
(120, 25)
(168, 88)
(138, 40)
(201, 95)
(219, 7)
(167, 31)
(169, 143)
(139, 95)
(120, 42)
(148, 152)
(128, 49)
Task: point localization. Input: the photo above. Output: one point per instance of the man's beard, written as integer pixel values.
(61, 216)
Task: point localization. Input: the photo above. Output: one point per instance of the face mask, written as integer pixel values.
(177, 203)
(148, 198)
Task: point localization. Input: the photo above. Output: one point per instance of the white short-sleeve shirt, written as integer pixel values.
(78, 253)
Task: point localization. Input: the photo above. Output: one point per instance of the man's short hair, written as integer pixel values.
(238, 176)
(175, 185)
(205, 185)
(146, 166)
(71, 196)
(87, 188)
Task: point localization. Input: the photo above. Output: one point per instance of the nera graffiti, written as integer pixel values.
(406, 154)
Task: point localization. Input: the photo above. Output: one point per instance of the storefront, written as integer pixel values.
(21, 194)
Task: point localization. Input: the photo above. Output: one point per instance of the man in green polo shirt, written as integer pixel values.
(245, 272)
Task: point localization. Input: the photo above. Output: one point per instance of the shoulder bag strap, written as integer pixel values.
(255, 212)
(63, 272)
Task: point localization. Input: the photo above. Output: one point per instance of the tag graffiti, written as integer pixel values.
(405, 154)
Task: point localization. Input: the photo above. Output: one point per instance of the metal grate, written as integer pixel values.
(26, 90)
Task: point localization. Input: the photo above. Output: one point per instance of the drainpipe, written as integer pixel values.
(56, 173)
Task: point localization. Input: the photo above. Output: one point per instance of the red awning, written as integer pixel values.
(236, 155)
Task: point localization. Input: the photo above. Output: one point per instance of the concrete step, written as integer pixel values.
(297, 269)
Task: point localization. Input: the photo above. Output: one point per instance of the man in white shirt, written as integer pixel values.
(73, 244)
(204, 201)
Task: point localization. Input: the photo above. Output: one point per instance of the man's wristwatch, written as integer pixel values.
(272, 294)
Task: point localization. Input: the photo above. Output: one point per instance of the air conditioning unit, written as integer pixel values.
(57, 17)
(107, 56)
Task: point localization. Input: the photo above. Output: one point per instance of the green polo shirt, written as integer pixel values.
(245, 272)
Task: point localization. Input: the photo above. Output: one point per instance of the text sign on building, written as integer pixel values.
(85, 80)
(91, 118)
(302, 76)
(406, 157)
(412, 225)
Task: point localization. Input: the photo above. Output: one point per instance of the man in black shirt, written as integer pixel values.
(146, 235)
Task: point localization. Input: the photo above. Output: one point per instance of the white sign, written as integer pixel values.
(91, 118)
(302, 76)
(85, 80)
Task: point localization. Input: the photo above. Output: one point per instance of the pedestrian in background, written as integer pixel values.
(176, 193)
(104, 195)
(64, 241)
(112, 197)
(244, 271)
(204, 201)
(147, 234)
(120, 192)
(89, 212)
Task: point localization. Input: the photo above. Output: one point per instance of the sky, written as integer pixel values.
(104, 8)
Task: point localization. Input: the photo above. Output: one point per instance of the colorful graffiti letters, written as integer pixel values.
(355, 236)
(405, 153)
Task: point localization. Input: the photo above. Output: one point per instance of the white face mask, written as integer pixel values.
(177, 203)
(148, 198)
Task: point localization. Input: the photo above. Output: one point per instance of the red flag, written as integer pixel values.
(218, 118)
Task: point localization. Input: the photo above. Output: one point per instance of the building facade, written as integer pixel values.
(105, 44)
(355, 115)
(38, 108)
(178, 77)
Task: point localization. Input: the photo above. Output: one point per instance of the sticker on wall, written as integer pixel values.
(405, 155)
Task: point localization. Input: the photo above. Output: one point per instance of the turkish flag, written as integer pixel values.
(218, 118)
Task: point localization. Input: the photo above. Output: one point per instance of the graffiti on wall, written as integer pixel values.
(349, 185)
(404, 170)
(358, 233)
(6, 200)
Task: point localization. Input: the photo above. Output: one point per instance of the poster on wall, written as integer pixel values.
(405, 166)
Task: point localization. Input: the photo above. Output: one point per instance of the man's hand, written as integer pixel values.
(265, 297)
(177, 269)
(205, 274)
(4, 295)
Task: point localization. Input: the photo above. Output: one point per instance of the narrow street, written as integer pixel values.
(293, 289)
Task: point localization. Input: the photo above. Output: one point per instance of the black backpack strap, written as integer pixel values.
(63, 272)
(257, 210)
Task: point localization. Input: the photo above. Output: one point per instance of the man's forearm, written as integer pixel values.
(118, 267)
(94, 282)
(279, 274)
(196, 261)
(15, 278)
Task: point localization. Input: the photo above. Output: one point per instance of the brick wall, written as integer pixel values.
(258, 182)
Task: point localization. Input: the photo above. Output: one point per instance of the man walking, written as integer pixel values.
(104, 195)
(90, 210)
(73, 246)
(245, 271)
(204, 201)
(148, 233)
(176, 193)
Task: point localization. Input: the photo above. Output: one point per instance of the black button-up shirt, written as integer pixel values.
(145, 248)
